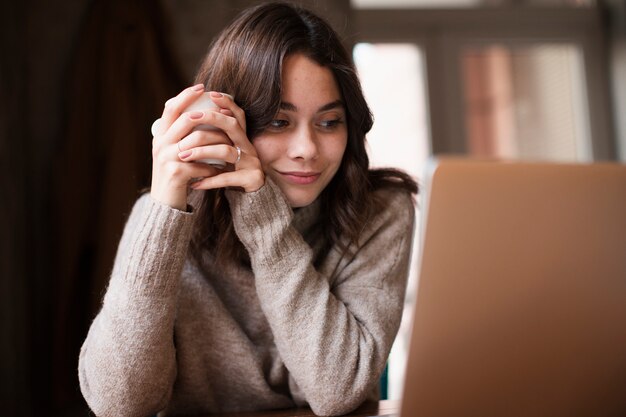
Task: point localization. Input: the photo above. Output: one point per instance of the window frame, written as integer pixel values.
(443, 34)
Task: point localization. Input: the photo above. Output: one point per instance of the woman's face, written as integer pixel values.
(302, 148)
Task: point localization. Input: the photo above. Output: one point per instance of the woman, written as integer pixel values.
(276, 282)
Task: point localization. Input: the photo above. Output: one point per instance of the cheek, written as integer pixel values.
(336, 149)
(264, 150)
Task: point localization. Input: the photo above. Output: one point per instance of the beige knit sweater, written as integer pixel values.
(182, 341)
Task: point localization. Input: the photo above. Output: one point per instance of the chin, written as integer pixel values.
(297, 201)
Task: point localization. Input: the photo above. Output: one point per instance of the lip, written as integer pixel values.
(299, 177)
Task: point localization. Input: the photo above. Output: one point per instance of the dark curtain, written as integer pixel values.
(13, 211)
(119, 78)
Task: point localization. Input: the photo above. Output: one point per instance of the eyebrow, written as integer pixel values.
(285, 105)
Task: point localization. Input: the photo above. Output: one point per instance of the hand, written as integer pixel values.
(170, 174)
(247, 172)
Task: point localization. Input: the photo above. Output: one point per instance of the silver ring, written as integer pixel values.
(238, 155)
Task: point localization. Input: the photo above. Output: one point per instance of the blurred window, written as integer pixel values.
(526, 102)
(513, 82)
(394, 84)
(392, 76)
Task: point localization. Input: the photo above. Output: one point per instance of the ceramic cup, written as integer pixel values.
(202, 103)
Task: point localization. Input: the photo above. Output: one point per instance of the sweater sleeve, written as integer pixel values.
(127, 363)
(334, 339)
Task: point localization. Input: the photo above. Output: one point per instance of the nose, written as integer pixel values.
(303, 145)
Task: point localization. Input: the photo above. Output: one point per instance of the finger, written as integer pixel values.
(231, 126)
(214, 119)
(221, 152)
(249, 180)
(203, 137)
(182, 172)
(187, 122)
(175, 106)
(201, 170)
(225, 101)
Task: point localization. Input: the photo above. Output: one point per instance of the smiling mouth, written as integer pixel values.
(301, 178)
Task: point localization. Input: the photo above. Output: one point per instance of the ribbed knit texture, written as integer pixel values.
(176, 338)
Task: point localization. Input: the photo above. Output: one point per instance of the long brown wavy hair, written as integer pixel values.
(246, 62)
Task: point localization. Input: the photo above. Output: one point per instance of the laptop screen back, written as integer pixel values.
(521, 300)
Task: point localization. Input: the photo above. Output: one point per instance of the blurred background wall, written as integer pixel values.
(81, 82)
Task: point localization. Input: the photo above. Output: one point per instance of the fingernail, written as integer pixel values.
(196, 115)
(216, 94)
(184, 155)
(198, 87)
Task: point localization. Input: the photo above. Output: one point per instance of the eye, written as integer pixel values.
(278, 124)
(330, 124)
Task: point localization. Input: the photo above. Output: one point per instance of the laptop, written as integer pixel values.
(521, 301)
